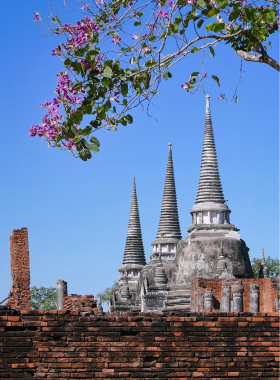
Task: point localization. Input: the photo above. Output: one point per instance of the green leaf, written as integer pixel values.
(129, 119)
(236, 99)
(200, 22)
(223, 4)
(94, 141)
(269, 17)
(195, 74)
(234, 14)
(137, 23)
(167, 75)
(85, 155)
(212, 51)
(213, 12)
(93, 148)
(219, 27)
(249, 13)
(154, 92)
(216, 79)
(124, 102)
(132, 61)
(201, 3)
(95, 123)
(124, 89)
(108, 72)
(194, 50)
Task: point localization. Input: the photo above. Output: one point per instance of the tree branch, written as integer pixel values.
(258, 58)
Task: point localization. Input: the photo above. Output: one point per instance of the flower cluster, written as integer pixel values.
(162, 14)
(51, 127)
(79, 34)
(65, 92)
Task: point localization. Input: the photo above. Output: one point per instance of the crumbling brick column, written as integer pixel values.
(20, 271)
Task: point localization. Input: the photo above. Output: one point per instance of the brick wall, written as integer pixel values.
(66, 345)
(82, 303)
(20, 273)
(268, 293)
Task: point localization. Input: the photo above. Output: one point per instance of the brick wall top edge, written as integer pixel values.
(4, 311)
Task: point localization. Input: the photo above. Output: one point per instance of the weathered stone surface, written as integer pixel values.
(254, 298)
(61, 293)
(212, 249)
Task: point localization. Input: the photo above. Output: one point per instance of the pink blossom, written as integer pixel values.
(37, 16)
(145, 50)
(221, 97)
(186, 86)
(205, 74)
(116, 39)
(85, 7)
(135, 37)
(170, 4)
(98, 58)
(163, 14)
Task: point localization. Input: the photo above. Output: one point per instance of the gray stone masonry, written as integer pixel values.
(169, 226)
(209, 187)
(61, 293)
(254, 298)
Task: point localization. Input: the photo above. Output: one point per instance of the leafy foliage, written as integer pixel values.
(43, 298)
(273, 266)
(105, 295)
(116, 55)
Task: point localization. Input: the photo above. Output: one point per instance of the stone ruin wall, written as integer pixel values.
(67, 345)
(268, 292)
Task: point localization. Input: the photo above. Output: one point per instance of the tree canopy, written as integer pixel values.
(105, 295)
(273, 266)
(43, 298)
(117, 53)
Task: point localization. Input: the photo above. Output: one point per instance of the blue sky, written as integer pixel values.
(77, 212)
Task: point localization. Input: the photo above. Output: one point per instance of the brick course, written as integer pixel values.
(67, 345)
(20, 272)
(83, 303)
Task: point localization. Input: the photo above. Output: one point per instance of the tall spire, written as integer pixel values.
(134, 251)
(169, 226)
(209, 187)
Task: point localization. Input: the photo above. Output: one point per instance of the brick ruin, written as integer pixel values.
(20, 272)
(79, 341)
(225, 295)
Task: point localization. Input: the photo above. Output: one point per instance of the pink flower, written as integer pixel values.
(116, 39)
(37, 16)
(145, 50)
(57, 51)
(186, 86)
(98, 58)
(221, 97)
(163, 14)
(134, 37)
(111, 18)
(151, 25)
(85, 7)
(205, 74)
(170, 4)
(100, 2)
